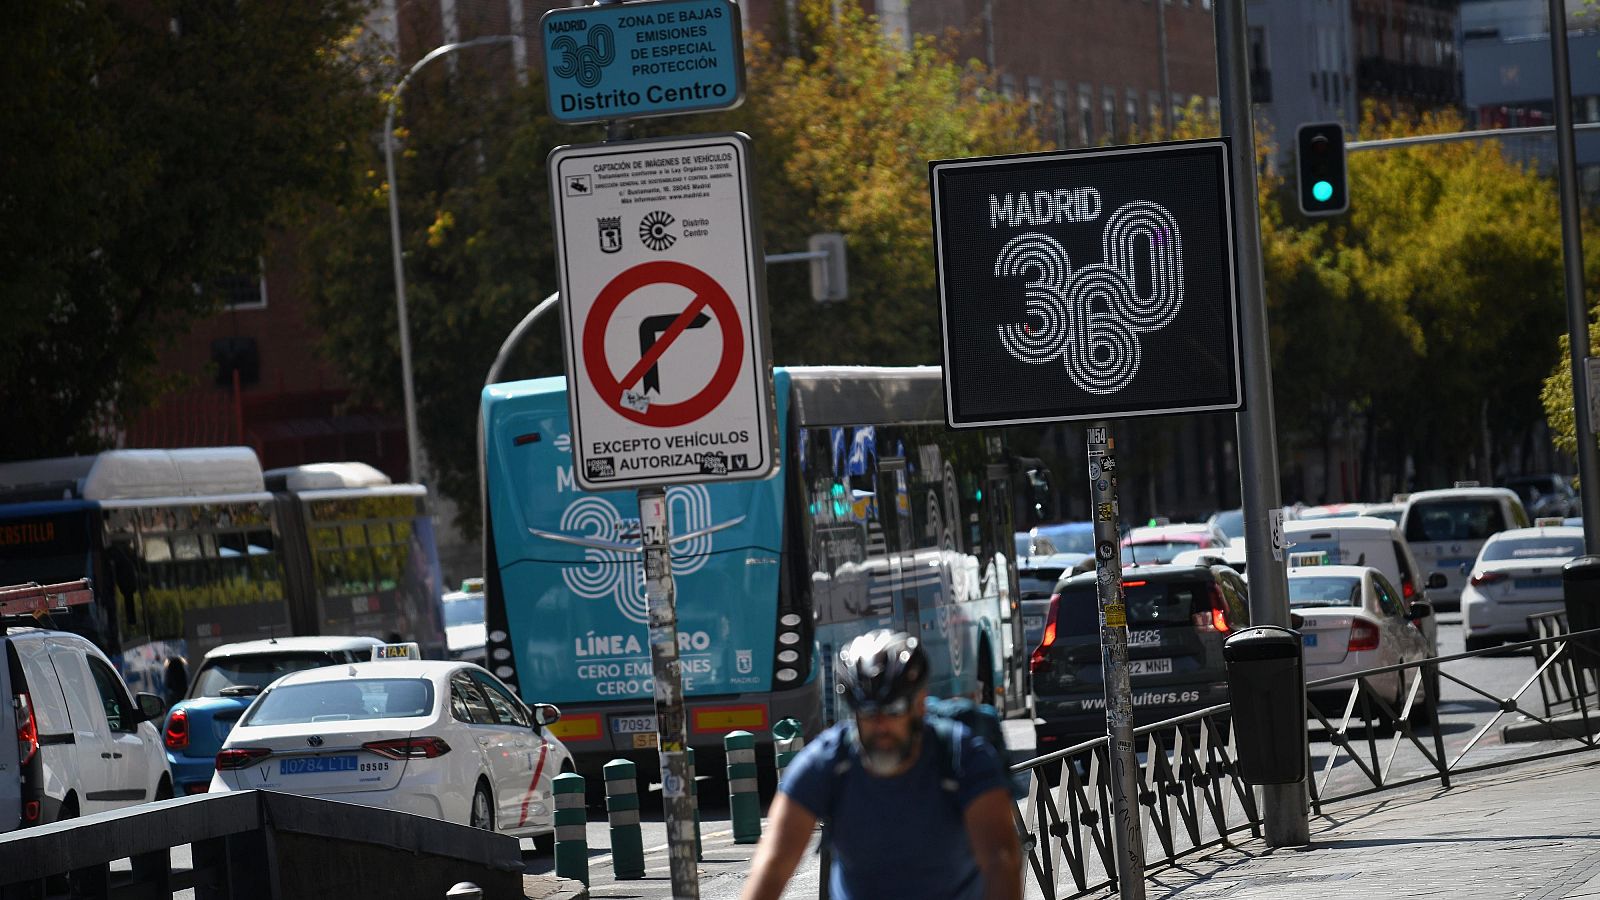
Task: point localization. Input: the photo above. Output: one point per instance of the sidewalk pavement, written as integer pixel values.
(1529, 831)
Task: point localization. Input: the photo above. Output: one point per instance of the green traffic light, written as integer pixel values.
(1323, 191)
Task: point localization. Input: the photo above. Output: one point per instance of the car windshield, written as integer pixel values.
(1231, 522)
(1038, 584)
(1532, 548)
(254, 671)
(1156, 552)
(1068, 539)
(344, 700)
(1325, 590)
(1453, 520)
(466, 611)
(1149, 603)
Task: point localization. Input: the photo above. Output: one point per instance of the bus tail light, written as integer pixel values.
(789, 655)
(177, 732)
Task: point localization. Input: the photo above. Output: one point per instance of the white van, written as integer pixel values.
(83, 744)
(1366, 541)
(1446, 529)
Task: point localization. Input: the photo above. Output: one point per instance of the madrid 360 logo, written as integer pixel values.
(616, 574)
(1092, 318)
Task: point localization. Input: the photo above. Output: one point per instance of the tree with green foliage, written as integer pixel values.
(841, 137)
(147, 153)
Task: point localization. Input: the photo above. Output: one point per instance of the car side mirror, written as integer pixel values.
(1419, 611)
(151, 706)
(546, 714)
(1437, 580)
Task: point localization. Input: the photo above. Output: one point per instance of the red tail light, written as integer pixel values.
(1039, 662)
(1216, 618)
(177, 733)
(31, 811)
(1363, 636)
(1408, 589)
(1483, 578)
(27, 728)
(409, 748)
(240, 757)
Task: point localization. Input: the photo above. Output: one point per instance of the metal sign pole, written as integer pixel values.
(665, 670)
(1126, 836)
(1284, 806)
(1572, 256)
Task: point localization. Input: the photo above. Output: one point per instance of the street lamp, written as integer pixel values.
(413, 439)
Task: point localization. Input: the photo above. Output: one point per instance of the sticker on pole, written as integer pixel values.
(662, 312)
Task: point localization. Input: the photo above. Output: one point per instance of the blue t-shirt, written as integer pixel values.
(902, 836)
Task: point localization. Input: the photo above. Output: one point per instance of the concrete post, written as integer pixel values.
(622, 811)
(744, 800)
(788, 739)
(572, 835)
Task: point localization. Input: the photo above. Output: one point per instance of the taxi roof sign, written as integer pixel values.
(1308, 558)
(409, 650)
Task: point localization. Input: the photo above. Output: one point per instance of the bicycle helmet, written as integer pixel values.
(881, 671)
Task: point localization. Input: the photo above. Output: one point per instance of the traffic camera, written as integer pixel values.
(1324, 188)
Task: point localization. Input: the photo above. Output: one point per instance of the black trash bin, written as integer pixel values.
(1267, 691)
(1580, 587)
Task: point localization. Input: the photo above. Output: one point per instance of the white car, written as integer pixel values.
(1517, 574)
(1352, 619)
(465, 633)
(1368, 541)
(83, 744)
(1446, 529)
(433, 738)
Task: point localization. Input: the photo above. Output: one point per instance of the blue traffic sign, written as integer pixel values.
(647, 58)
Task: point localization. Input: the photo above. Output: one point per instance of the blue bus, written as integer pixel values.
(192, 548)
(879, 516)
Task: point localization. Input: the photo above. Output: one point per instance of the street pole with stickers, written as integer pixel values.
(1127, 840)
(663, 307)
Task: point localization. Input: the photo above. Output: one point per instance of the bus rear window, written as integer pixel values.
(1454, 520)
(1158, 603)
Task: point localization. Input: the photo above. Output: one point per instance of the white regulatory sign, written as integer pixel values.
(663, 312)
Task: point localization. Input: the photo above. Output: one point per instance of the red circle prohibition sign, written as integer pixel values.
(707, 293)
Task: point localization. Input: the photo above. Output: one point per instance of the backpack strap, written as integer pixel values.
(947, 752)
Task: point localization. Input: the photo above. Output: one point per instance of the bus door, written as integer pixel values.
(894, 511)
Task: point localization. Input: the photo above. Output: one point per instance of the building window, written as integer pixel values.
(1035, 105)
(1008, 87)
(1155, 111)
(1108, 115)
(1085, 115)
(242, 290)
(1131, 112)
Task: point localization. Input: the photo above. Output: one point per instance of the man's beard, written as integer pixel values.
(887, 760)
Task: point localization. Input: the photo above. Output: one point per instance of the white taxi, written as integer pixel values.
(434, 738)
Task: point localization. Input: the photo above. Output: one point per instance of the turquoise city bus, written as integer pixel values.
(879, 516)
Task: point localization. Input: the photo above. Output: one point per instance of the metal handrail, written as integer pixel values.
(1191, 797)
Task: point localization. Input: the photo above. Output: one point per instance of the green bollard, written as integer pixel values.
(788, 739)
(622, 811)
(694, 793)
(744, 801)
(572, 834)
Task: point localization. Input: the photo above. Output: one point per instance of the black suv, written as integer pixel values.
(1178, 618)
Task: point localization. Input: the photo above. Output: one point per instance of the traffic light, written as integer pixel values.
(1324, 189)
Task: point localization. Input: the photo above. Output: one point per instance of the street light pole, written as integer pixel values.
(418, 467)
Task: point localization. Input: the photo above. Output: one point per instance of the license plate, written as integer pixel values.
(1308, 640)
(633, 724)
(643, 741)
(1534, 584)
(1149, 667)
(316, 765)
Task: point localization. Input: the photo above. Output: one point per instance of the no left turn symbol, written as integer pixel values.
(708, 297)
